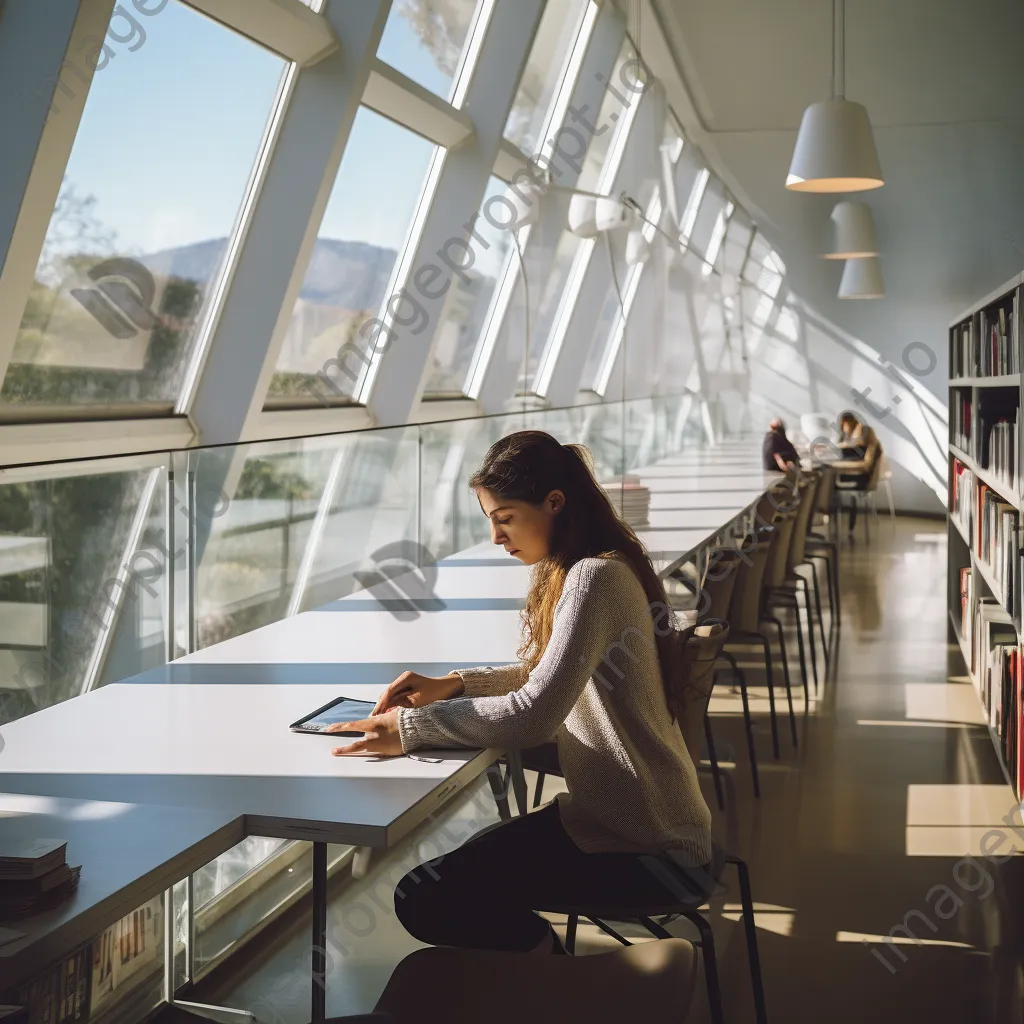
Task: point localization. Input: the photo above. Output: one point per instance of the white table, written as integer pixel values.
(154, 848)
(224, 748)
(209, 732)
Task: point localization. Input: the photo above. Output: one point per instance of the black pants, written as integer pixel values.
(853, 482)
(484, 895)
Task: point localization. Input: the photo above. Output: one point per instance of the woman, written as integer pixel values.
(859, 448)
(597, 650)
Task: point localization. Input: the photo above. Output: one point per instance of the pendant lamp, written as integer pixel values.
(862, 279)
(853, 232)
(835, 150)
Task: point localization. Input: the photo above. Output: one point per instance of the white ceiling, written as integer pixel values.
(944, 86)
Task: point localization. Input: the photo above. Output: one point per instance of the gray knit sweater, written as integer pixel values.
(598, 692)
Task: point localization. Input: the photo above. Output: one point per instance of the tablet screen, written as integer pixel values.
(342, 710)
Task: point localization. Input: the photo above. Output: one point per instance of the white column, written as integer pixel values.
(503, 372)
(286, 218)
(444, 241)
(47, 60)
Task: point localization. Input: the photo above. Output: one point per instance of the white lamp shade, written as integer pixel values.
(854, 232)
(835, 150)
(582, 216)
(610, 213)
(638, 249)
(862, 279)
(525, 199)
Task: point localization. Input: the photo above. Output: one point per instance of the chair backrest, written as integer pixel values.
(745, 607)
(718, 583)
(804, 513)
(698, 649)
(779, 543)
(652, 982)
(875, 473)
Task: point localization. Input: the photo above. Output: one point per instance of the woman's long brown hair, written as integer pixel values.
(527, 466)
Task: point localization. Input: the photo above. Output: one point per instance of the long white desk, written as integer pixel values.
(209, 732)
(130, 853)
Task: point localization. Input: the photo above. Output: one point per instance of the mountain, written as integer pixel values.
(349, 275)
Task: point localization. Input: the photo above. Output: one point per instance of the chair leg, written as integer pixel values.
(748, 723)
(821, 620)
(570, 934)
(707, 949)
(747, 902)
(610, 931)
(770, 679)
(810, 628)
(800, 648)
(785, 676)
(833, 620)
(538, 789)
(499, 789)
(713, 758)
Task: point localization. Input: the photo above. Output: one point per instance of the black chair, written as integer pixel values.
(686, 893)
(746, 614)
(687, 889)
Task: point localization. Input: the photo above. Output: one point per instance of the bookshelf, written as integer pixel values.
(986, 512)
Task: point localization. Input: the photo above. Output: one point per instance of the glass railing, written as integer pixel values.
(112, 567)
(109, 568)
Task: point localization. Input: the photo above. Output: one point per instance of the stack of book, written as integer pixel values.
(1000, 447)
(998, 356)
(960, 420)
(961, 500)
(996, 545)
(997, 675)
(631, 500)
(34, 875)
(963, 356)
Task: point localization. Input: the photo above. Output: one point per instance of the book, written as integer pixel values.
(23, 900)
(35, 887)
(60, 994)
(30, 858)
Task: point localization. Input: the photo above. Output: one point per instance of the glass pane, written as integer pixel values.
(712, 204)
(425, 40)
(737, 238)
(150, 196)
(610, 330)
(621, 99)
(72, 614)
(548, 305)
(363, 233)
(306, 516)
(545, 69)
(467, 305)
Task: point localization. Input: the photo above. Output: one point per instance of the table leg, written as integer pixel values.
(515, 770)
(319, 945)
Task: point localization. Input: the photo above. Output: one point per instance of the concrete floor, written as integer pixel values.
(872, 819)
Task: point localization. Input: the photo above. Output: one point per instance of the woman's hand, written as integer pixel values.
(381, 736)
(411, 690)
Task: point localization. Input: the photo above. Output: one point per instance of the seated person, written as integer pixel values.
(860, 450)
(633, 792)
(777, 450)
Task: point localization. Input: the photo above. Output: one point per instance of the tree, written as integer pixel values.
(74, 229)
(442, 25)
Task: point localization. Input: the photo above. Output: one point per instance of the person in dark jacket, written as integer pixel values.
(777, 450)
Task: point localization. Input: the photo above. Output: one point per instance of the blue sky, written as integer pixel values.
(171, 130)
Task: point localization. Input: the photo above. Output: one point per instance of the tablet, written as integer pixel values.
(342, 709)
